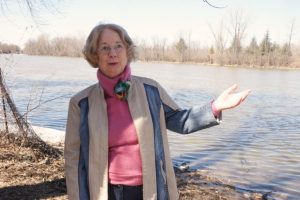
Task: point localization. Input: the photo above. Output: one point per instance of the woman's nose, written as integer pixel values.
(112, 52)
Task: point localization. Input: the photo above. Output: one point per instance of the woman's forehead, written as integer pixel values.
(109, 36)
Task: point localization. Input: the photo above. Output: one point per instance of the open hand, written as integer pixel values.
(228, 99)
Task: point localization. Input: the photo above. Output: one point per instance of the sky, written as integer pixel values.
(152, 20)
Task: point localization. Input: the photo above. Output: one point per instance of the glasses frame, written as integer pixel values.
(106, 49)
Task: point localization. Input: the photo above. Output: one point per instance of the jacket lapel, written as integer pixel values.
(98, 128)
(139, 109)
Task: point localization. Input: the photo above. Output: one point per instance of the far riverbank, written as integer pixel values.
(232, 66)
(293, 66)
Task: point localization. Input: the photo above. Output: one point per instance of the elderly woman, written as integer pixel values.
(116, 143)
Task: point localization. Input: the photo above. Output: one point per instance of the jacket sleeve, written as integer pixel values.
(186, 121)
(71, 150)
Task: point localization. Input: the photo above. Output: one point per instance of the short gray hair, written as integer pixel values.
(90, 50)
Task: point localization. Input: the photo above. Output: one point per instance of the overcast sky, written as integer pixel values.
(151, 19)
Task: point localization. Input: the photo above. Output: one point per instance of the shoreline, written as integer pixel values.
(26, 173)
(231, 66)
(189, 63)
(200, 184)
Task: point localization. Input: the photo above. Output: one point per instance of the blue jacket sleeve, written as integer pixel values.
(189, 120)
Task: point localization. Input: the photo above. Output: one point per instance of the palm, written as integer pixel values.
(228, 99)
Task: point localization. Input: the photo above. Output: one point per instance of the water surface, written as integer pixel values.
(256, 147)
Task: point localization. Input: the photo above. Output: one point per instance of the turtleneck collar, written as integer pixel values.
(108, 84)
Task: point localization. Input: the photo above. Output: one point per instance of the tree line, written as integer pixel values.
(9, 48)
(229, 48)
(264, 53)
(58, 46)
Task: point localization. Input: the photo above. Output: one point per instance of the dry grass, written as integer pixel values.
(24, 174)
(201, 185)
(27, 174)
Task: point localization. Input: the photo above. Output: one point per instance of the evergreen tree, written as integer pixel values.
(236, 46)
(253, 47)
(181, 47)
(265, 45)
(211, 50)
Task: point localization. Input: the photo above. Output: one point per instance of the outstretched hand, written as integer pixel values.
(228, 99)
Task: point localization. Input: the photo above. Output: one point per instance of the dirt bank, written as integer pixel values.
(24, 174)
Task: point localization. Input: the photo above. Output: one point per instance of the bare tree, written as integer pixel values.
(32, 7)
(40, 46)
(220, 44)
(189, 47)
(9, 48)
(158, 48)
(236, 30)
(212, 5)
(286, 49)
(58, 46)
(142, 49)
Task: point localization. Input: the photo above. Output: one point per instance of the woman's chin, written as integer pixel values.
(113, 74)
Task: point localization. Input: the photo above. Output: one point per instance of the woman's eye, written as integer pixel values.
(119, 46)
(105, 49)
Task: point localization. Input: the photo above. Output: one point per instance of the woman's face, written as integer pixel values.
(112, 54)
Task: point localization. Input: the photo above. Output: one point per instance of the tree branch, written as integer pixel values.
(205, 1)
(42, 103)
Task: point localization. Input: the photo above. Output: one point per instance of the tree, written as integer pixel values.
(181, 47)
(236, 30)
(252, 52)
(9, 48)
(265, 45)
(220, 43)
(253, 47)
(59, 46)
(211, 50)
(158, 48)
(286, 49)
(212, 5)
(32, 7)
(67, 46)
(40, 46)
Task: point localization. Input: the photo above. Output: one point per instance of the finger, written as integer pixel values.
(231, 88)
(247, 92)
(244, 94)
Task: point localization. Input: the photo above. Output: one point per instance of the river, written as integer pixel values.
(256, 147)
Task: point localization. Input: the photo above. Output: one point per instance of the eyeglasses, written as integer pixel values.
(105, 50)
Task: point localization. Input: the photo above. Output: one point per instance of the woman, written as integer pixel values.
(116, 140)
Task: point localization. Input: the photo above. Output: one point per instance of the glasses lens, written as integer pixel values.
(107, 49)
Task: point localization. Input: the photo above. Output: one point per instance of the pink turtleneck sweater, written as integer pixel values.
(125, 165)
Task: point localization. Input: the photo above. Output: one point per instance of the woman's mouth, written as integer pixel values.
(112, 64)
